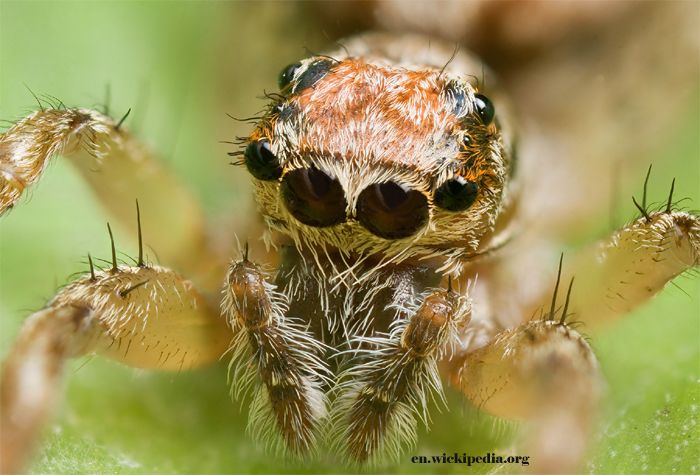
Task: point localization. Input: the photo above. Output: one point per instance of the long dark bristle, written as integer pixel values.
(646, 182)
(125, 292)
(556, 289)
(123, 119)
(138, 222)
(670, 197)
(92, 269)
(642, 210)
(115, 268)
(566, 304)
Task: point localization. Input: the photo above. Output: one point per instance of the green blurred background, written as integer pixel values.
(181, 67)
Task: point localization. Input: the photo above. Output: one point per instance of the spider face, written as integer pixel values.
(358, 155)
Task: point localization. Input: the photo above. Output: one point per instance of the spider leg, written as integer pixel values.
(400, 373)
(543, 372)
(119, 168)
(283, 356)
(145, 317)
(633, 265)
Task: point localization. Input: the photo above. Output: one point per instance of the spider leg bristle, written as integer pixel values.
(566, 303)
(248, 119)
(123, 119)
(35, 97)
(449, 283)
(138, 222)
(115, 268)
(454, 54)
(556, 289)
(92, 269)
(670, 197)
(644, 196)
(125, 292)
(245, 251)
(108, 97)
(642, 210)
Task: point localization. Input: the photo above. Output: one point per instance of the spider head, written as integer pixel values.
(368, 158)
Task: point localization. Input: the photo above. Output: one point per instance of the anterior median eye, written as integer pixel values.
(392, 211)
(314, 197)
(484, 109)
(457, 194)
(261, 162)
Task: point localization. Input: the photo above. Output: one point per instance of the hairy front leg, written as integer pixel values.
(119, 168)
(143, 316)
(289, 405)
(376, 411)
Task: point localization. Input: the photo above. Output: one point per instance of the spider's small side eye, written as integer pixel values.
(313, 73)
(261, 162)
(314, 197)
(392, 211)
(287, 75)
(484, 108)
(457, 194)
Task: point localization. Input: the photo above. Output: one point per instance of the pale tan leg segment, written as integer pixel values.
(31, 377)
(146, 317)
(543, 372)
(119, 168)
(632, 266)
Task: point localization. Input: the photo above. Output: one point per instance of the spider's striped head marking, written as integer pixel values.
(371, 158)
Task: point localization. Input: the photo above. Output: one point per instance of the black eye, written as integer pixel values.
(457, 194)
(313, 73)
(392, 211)
(287, 75)
(484, 109)
(314, 197)
(261, 162)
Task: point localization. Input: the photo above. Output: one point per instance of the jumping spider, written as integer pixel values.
(386, 177)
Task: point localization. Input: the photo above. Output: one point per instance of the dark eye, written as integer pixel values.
(313, 73)
(287, 75)
(314, 198)
(484, 109)
(392, 211)
(457, 194)
(261, 162)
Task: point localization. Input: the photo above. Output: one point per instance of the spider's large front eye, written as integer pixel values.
(484, 108)
(392, 211)
(457, 194)
(314, 197)
(261, 162)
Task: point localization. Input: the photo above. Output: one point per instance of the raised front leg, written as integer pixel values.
(289, 404)
(396, 376)
(120, 169)
(632, 266)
